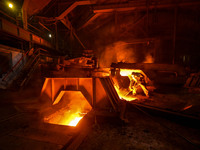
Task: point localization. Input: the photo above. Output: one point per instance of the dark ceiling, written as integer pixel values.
(167, 30)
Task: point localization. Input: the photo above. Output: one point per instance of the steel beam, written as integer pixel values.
(44, 26)
(133, 6)
(90, 20)
(73, 6)
(63, 17)
(67, 23)
(138, 41)
(24, 14)
(18, 32)
(112, 8)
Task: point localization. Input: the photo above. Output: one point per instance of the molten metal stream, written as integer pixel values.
(129, 94)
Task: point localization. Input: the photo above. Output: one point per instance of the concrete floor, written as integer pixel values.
(21, 128)
(141, 133)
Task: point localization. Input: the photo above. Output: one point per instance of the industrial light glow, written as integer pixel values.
(10, 5)
(50, 35)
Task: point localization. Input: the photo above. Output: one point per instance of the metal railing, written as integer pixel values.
(14, 67)
(18, 65)
(31, 68)
(15, 22)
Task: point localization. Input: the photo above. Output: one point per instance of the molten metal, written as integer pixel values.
(63, 117)
(137, 80)
(73, 120)
(74, 107)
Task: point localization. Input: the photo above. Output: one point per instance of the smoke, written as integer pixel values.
(124, 52)
(117, 52)
(149, 59)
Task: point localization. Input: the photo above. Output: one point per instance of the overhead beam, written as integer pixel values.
(139, 41)
(96, 15)
(67, 23)
(73, 6)
(22, 34)
(134, 6)
(44, 26)
(63, 17)
(113, 7)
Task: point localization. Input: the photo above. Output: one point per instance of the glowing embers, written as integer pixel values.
(70, 109)
(130, 84)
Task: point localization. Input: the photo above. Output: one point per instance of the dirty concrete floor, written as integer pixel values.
(182, 100)
(141, 133)
(21, 127)
(20, 130)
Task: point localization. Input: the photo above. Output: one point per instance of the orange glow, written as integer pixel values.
(187, 107)
(135, 76)
(74, 108)
(63, 117)
(123, 94)
(127, 72)
(72, 119)
(75, 120)
(117, 52)
(149, 59)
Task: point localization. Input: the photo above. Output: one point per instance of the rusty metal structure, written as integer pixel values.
(98, 58)
(99, 92)
(158, 73)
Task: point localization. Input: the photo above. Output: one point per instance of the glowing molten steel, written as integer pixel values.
(75, 107)
(127, 72)
(137, 80)
(123, 94)
(63, 117)
(73, 119)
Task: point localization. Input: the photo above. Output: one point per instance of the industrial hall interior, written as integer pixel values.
(99, 74)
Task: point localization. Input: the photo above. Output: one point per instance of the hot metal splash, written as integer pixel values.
(129, 83)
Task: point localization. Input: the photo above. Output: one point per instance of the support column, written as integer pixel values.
(52, 90)
(56, 35)
(24, 14)
(94, 92)
(174, 36)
